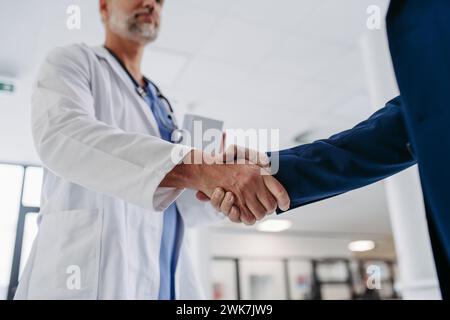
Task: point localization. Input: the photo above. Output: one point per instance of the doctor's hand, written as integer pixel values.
(224, 201)
(245, 195)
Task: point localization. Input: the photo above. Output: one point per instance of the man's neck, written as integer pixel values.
(130, 53)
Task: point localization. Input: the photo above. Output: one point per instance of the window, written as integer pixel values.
(32, 187)
(11, 178)
(20, 193)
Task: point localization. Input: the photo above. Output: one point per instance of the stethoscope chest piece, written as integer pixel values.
(178, 136)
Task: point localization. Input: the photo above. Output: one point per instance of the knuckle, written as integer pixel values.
(229, 198)
(248, 179)
(218, 193)
(282, 192)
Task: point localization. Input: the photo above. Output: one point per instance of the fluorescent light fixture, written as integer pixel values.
(361, 245)
(274, 225)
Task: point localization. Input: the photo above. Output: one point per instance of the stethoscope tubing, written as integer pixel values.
(176, 132)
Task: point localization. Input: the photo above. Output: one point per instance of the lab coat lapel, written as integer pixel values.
(102, 53)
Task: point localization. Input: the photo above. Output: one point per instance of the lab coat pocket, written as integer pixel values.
(67, 259)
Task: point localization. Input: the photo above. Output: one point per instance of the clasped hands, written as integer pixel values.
(240, 186)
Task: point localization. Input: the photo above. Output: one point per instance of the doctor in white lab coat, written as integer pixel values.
(103, 196)
(101, 206)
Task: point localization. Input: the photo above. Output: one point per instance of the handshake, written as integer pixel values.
(237, 182)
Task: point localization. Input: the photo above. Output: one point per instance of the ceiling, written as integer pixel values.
(291, 65)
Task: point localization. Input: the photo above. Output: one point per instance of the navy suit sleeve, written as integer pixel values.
(373, 150)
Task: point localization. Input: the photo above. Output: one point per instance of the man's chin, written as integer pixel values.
(143, 34)
(143, 40)
(149, 35)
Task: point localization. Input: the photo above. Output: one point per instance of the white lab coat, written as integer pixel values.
(101, 216)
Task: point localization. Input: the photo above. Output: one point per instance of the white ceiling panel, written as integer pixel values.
(282, 15)
(269, 89)
(302, 56)
(339, 21)
(206, 78)
(239, 42)
(185, 28)
(163, 66)
(217, 7)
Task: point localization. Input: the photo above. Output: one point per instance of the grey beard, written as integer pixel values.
(131, 30)
(145, 33)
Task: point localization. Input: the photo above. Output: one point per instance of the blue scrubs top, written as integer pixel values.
(170, 241)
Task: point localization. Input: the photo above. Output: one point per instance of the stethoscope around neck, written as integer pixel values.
(169, 121)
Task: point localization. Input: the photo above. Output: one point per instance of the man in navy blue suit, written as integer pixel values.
(412, 128)
(419, 40)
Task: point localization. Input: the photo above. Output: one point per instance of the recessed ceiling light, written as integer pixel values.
(274, 225)
(361, 245)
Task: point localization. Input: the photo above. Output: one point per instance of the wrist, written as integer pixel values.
(193, 172)
(197, 168)
(190, 169)
(184, 174)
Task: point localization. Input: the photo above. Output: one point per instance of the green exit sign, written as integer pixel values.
(6, 87)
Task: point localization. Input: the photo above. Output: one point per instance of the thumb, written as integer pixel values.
(278, 192)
